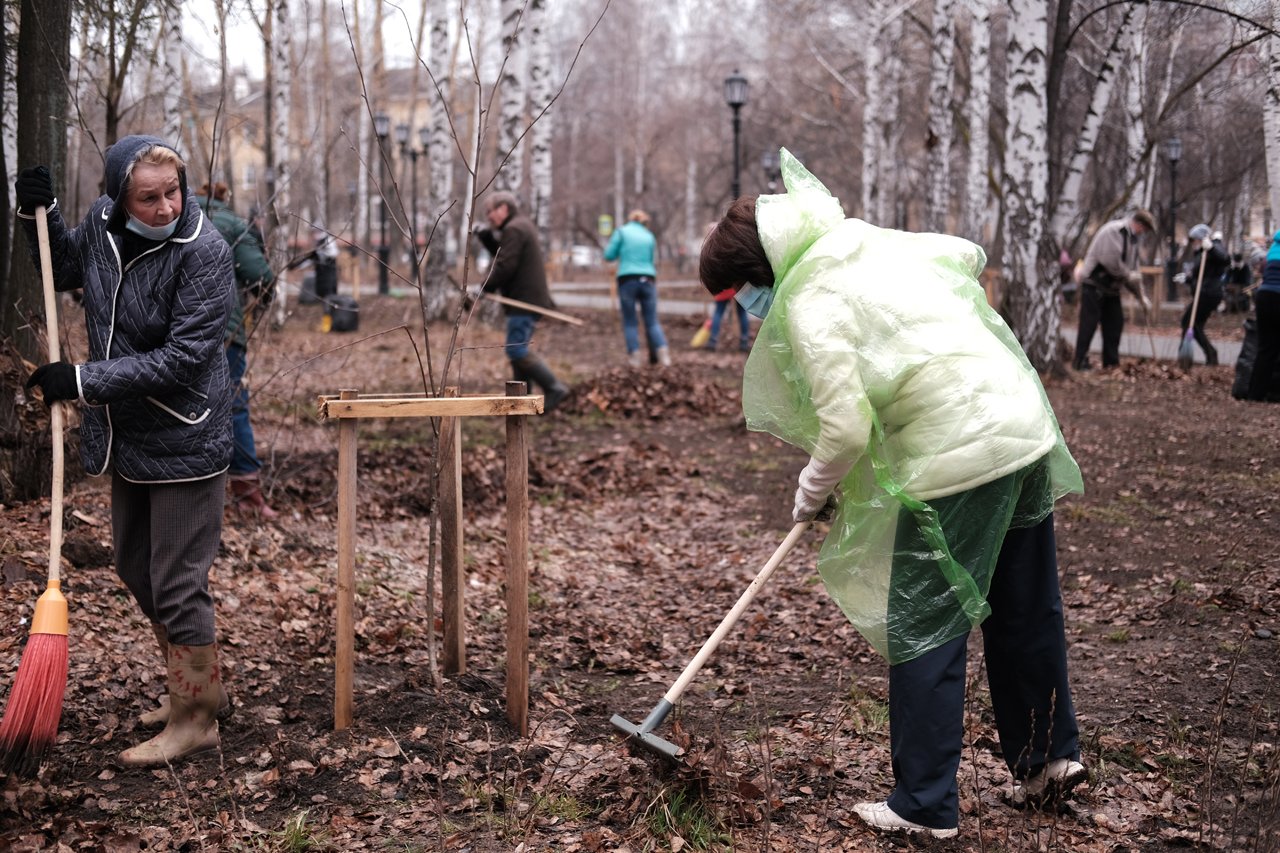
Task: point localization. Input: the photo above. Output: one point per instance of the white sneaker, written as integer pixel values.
(1054, 782)
(880, 816)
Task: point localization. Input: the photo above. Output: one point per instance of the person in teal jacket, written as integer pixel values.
(633, 246)
(930, 431)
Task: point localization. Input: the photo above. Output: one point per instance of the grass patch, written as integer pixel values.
(870, 715)
(562, 806)
(679, 812)
(297, 835)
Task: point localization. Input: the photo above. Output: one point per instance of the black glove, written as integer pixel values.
(57, 380)
(34, 188)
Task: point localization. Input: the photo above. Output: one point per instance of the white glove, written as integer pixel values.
(1206, 244)
(1135, 278)
(816, 483)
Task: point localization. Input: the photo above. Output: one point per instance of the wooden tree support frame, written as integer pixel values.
(348, 407)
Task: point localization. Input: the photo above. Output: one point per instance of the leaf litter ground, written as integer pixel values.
(652, 508)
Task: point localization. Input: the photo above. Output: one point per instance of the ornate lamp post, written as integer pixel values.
(381, 128)
(402, 137)
(771, 163)
(1173, 152)
(735, 95)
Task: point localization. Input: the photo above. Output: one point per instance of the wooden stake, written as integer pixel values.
(344, 636)
(452, 578)
(517, 566)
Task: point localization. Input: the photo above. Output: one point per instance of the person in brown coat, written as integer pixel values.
(518, 272)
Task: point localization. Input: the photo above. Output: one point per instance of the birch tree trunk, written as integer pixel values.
(892, 170)
(363, 227)
(1103, 85)
(170, 61)
(873, 109)
(512, 96)
(975, 203)
(1271, 114)
(441, 146)
(541, 91)
(1030, 300)
(938, 142)
(883, 73)
(278, 82)
(325, 123)
(1135, 132)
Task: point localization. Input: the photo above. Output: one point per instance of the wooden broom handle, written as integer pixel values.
(55, 409)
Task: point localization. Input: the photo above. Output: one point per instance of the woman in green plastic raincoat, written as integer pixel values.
(879, 355)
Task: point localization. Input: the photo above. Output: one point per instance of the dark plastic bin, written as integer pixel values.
(344, 313)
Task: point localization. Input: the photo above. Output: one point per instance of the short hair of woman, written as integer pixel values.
(732, 253)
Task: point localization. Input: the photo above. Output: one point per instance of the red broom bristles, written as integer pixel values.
(30, 723)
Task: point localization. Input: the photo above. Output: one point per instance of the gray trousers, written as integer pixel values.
(166, 538)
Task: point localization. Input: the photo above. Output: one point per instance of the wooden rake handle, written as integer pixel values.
(731, 618)
(55, 409)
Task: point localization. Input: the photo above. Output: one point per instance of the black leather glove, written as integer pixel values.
(57, 381)
(34, 188)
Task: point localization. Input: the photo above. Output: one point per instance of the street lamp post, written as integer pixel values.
(1173, 151)
(407, 150)
(772, 166)
(735, 95)
(381, 128)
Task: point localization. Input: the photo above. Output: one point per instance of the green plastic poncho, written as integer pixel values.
(880, 352)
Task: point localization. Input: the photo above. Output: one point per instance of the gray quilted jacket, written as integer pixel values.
(156, 381)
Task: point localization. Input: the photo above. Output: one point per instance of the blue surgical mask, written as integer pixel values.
(151, 232)
(754, 300)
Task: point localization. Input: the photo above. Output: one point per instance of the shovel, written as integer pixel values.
(642, 734)
(1185, 352)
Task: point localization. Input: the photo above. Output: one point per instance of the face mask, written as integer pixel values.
(151, 232)
(754, 300)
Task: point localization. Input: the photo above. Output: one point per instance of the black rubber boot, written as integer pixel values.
(553, 390)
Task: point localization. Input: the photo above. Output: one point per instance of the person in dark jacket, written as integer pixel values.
(1209, 249)
(518, 272)
(158, 285)
(253, 277)
(1266, 305)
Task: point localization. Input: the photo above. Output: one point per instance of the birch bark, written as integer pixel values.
(541, 91)
(512, 97)
(976, 202)
(1030, 299)
(1271, 114)
(1103, 86)
(938, 142)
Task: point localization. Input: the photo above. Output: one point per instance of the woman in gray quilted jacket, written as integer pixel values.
(158, 283)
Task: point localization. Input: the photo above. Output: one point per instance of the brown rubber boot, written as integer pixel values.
(160, 716)
(247, 498)
(194, 688)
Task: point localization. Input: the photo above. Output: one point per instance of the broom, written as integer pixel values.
(1185, 352)
(30, 722)
(701, 336)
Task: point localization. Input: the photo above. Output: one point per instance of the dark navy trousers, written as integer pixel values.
(1026, 659)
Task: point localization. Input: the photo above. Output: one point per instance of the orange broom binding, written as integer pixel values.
(30, 723)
